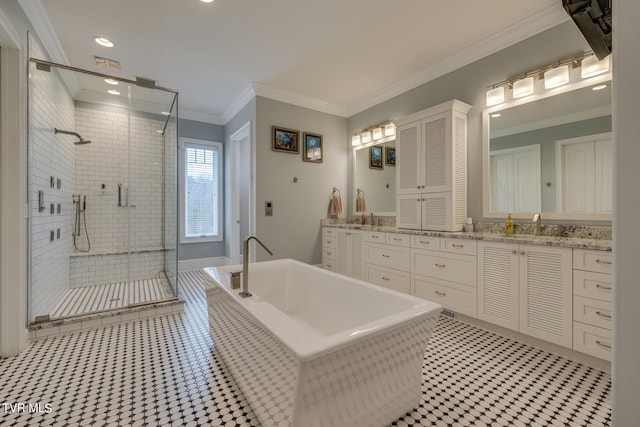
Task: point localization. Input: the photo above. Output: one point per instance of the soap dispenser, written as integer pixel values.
(508, 227)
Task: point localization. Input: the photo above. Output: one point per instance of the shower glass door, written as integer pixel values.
(102, 190)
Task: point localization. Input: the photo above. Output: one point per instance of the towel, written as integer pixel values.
(336, 204)
(360, 205)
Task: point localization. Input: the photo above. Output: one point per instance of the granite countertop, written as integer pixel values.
(595, 238)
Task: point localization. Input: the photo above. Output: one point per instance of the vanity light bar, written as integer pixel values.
(555, 75)
(384, 130)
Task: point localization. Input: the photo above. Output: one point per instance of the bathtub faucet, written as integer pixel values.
(245, 265)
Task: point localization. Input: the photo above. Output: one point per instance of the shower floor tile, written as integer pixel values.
(90, 299)
(162, 371)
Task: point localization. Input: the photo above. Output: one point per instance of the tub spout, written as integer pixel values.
(245, 265)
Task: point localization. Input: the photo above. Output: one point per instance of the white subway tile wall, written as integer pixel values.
(51, 155)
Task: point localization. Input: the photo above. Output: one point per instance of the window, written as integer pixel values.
(202, 193)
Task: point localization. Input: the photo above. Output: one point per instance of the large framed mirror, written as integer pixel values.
(375, 180)
(550, 153)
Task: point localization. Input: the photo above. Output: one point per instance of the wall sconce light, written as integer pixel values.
(556, 77)
(523, 87)
(591, 66)
(390, 129)
(495, 96)
(355, 139)
(377, 133)
(366, 137)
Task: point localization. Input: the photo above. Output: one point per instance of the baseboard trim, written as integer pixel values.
(197, 264)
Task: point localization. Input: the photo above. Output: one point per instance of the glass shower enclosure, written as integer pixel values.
(102, 153)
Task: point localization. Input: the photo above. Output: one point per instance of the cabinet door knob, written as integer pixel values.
(522, 252)
(514, 252)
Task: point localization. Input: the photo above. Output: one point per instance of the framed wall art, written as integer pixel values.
(285, 140)
(312, 148)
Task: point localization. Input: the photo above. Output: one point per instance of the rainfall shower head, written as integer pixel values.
(76, 134)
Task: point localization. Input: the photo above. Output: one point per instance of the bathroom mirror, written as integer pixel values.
(375, 179)
(550, 153)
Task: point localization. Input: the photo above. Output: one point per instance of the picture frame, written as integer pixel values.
(390, 156)
(285, 140)
(312, 147)
(375, 157)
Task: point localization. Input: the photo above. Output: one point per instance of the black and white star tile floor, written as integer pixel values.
(162, 372)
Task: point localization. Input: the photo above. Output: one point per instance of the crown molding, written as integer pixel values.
(270, 92)
(240, 102)
(529, 27)
(198, 116)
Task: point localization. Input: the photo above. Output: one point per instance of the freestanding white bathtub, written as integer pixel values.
(316, 348)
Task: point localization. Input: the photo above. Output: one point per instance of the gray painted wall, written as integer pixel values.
(469, 84)
(294, 229)
(208, 132)
(246, 115)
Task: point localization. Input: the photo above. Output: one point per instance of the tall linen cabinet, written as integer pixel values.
(431, 168)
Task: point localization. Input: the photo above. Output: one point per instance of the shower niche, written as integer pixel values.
(102, 153)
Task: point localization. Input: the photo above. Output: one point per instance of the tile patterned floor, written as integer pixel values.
(161, 371)
(90, 299)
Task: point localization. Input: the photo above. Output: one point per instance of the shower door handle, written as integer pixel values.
(119, 194)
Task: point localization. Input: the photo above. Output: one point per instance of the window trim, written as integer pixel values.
(208, 145)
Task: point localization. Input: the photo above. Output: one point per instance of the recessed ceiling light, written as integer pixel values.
(111, 81)
(599, 87)
(103, 41)
(496, 115)
(206, 1)
(165, 113)
(113, 92)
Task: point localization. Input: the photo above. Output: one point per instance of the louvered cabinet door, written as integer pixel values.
(436, 211)
(546, 293)
(498, 283)
(435, 156)
(408, 211)
(408, 174)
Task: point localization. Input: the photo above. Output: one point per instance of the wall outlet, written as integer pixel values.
(268, 208)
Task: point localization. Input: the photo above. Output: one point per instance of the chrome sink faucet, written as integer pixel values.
(245, 265)
(537, 218)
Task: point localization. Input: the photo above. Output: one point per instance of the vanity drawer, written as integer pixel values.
(459, 246)
(396, 239)
(598, 261)
(425, 242)
(329, 241)
(387, 256)
(455, 268)
(592, 340)
(388, 278)
(592, 285)
(329, 232)
(329, 264)
(459, 298)
(592, 312)
(375, 237)
(329, 253)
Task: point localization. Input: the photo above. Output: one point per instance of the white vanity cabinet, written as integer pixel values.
(431, 168)
(386, 258)
(349, 255)
(444, 270)
(592, 288)
(527, 288)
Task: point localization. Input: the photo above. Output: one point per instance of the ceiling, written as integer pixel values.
(335, 56)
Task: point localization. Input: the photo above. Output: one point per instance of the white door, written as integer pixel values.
(515, 179)
(242, 215)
